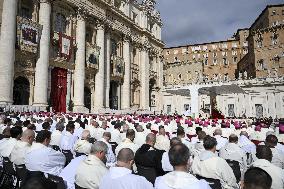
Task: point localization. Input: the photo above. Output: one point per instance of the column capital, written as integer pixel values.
(126, 39)
(45, 1)
(81, 14)
(100, 25)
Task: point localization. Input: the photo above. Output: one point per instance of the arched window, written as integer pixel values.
(60, 23)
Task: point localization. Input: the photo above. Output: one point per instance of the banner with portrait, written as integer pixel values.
(65, 46)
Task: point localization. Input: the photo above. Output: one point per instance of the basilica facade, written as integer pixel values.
(81, 56)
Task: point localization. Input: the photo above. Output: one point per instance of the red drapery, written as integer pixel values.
(58, 89)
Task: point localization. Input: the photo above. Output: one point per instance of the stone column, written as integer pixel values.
(7, 50)
(144, 70)
(107, 78)
(41, 74)
(69, 84)
(194, 100)
(125, 88)
(99, 85)
(79, 73)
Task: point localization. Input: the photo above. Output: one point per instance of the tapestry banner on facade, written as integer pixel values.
(28, 35)
(65, 46)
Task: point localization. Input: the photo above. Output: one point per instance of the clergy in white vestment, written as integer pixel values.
(78, 129)
(209, 165)
(7, 144)
(277, 155)
(264, 155)
(57, 134)
(184, 139)
(180, 178)
(195, 139)
(246, 144)
(166, 165)
(91, 170)
(22, 146)
(69, 172)
(162, 140)
(198, 146)
(121, 177)
(82, 145)
(42, 158)
(232, 151)
(115, 133)
(221, 141)
(68, 140)
(110, 155)
(140, 136)
(128, 142)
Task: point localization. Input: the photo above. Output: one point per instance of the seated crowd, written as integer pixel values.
(74, 151)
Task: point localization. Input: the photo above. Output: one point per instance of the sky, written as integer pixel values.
(200, 21)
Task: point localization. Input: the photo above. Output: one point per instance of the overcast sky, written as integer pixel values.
(200, 21)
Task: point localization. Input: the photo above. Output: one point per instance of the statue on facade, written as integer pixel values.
(240, 75)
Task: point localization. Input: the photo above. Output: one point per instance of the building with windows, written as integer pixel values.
(84, 56)
(242, 76)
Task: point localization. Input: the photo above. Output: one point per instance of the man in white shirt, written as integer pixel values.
(162, 140)
(264, 155)
(92, 169)
(57, 134)
(68, 140)
(209, 165)
(256, 178)
(184, 139)
(277, 155)
(140, 136)
(221, 141)
(166, 165)
(22, 146)
(121, 177)
(232, 151)
(128, 142)
(110, 155)
(7, 144)
(42, 158)
(115, 134)
(180, 178)
(198, 146)
(246, 144)
(83, 146)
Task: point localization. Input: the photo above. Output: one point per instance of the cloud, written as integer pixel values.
(200, 21)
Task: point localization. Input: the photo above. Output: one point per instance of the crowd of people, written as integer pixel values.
(82, 151)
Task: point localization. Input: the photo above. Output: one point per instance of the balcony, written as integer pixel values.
(28, 35)
(117, 68)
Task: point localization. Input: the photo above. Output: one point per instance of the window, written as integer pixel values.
(273, 12)
(113, 47)
(224, 53)
(261, 64)
(186, 107)
(205, 48)
(26, 13)
(168, 52)
(234, 53)
(259, 41)
(60, 23)
(214, 47)
(214, 54)
(169, 109)
(206, 62)
(179, 76)
(245, 51)
(225, 62)
(205, 55)
(224, 46)
(234, 45)
(231, 110)
(235, 59)
(274, 38)
(226, 77)
(215, 62)
(245, 43)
